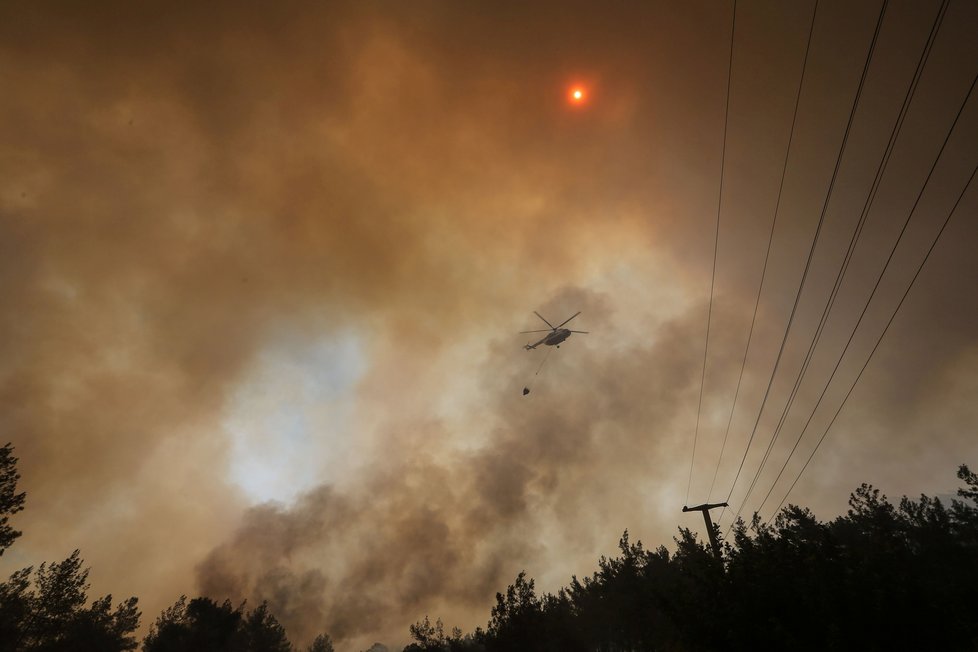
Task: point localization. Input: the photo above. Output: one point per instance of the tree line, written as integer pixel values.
(47, 609)
(881, 576)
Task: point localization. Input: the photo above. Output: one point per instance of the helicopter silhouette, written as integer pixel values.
(555, 335)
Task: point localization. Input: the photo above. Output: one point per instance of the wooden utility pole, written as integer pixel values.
(705, 508)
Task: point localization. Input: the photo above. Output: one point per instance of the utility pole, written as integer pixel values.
(705, 508)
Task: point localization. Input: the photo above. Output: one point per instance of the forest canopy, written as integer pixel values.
(881, 576)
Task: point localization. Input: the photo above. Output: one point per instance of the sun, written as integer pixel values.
(577, 95)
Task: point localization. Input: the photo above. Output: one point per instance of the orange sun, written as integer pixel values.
(577, 95)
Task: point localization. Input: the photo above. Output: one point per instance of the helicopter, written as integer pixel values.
(556, 334)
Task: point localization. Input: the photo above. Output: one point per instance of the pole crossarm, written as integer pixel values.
(710, 530)
(703, 507)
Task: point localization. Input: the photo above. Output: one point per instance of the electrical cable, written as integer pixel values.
(818, 230)
(716, 243)
(880, 339)
(879, 280)
(767, 254)
(840, 276)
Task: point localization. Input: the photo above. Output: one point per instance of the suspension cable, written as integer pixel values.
(864, 214)
(818, 230)
(879, 280)
(880, 338)
(716, 242)
(767, 254)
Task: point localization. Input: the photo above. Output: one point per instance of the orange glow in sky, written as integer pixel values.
(577, 95)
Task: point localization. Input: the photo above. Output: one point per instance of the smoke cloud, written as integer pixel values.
(262, 272)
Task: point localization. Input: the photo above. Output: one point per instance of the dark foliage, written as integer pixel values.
(321, 644)
(49, 614)
(11, 502)
(882, 576)
(202, 624)
(45, 610)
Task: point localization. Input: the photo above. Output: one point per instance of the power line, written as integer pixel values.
(770, 239)
(716, 243)
(870, 199)
(876, 287)
(818, 230)
(880, 339)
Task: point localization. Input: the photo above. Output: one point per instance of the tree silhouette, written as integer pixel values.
(44, 610)
(11, 502)
(49, 614)
(261, 632)
(432, 637)
(881, 576)
(204, 625)
(321, 644)
(201, 624)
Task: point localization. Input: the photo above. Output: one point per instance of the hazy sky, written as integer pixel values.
(262, 270)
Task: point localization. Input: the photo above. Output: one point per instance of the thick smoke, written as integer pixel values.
(183, 189)
(439, 527)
